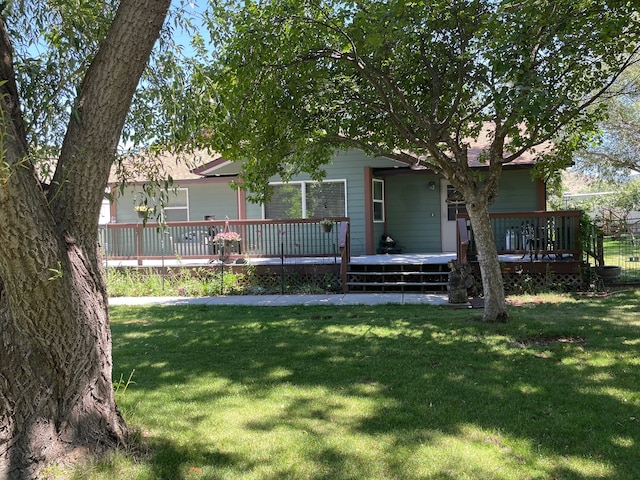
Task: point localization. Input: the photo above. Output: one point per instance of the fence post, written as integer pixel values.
(139, 252)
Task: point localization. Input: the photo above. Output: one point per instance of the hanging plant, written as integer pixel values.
(143, 210)
(227, 237)
(326, 224)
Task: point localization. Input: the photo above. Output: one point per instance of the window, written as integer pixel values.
(378, 200)
(324, 199)
(455, 203)
(286, 201)
(177, 207)
(307, 200)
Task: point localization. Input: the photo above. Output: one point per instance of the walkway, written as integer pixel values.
(285, 300)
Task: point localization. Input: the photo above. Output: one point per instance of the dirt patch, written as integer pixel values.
(522, 303)
(548, 341)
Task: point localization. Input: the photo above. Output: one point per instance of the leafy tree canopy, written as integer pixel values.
(411, 80)
(613, 152)
(54, 43)
(415, 81)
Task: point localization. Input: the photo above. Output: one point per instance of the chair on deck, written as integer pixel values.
(534, 241)
(388, 245)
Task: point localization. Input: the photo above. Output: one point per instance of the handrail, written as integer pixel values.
(541, 233)
(194, 239)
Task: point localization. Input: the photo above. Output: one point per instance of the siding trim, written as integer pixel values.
(541, 194)
(368, 210)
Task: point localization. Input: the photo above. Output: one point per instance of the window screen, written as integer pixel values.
(307, 200)
(177, 207)
(325, 199)
(378, 200)
(286, 202)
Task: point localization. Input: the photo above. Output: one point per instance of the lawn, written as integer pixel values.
(623, 252)
(393, 392)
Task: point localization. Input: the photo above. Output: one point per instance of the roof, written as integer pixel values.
(211, 167)
(476, 146)
(200, 164)
(139, 168)
(483, 142)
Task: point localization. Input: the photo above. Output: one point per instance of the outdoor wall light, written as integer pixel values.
(432, 185)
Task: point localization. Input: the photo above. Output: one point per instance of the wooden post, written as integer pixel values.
(462, 236)
(139, 229)
(344, 242)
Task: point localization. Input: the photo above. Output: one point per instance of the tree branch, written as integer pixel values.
(89, 147)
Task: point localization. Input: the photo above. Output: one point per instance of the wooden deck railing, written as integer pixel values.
(258, 238)
(532, 234)
(344, 242)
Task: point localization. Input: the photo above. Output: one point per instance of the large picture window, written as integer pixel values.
(307, 200)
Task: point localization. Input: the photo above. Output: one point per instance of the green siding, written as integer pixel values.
(254, 211)
(516, 193)
(124, 207)
(413, 212)
(217, 199)
(349, 166)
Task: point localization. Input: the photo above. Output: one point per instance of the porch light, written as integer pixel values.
(432, 185)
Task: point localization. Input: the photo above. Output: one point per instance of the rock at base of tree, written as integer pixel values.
(461, 282)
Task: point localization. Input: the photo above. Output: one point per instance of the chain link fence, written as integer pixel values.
(622, 248)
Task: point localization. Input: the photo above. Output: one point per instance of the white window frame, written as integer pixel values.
(186, 190)
(303, 192)
(377, 200)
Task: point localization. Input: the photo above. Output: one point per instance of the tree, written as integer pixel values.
(416, 81)
(56, 389)
(613, 152)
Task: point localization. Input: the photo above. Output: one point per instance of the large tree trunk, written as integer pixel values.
(56, 390)
(478, 194)
(492, 282)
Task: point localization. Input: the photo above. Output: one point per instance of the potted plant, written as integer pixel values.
(143, 210)
(326, 225)
(225, 239)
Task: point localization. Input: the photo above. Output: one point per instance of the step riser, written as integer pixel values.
(422, 278)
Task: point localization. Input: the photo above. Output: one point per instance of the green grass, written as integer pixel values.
(199, 282)
(179, 282)
(622, 252)
(393, 392)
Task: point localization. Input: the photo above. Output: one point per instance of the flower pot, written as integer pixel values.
(326, 228)
(609, 273)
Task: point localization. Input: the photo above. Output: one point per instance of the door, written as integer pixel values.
(451, 203)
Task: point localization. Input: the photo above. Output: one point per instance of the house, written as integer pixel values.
(374, 199)
(380, 196)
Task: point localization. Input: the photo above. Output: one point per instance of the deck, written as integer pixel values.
(378, 259)
(533, 247)
(383, 273)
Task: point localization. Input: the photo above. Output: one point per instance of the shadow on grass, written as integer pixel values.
(558, 382)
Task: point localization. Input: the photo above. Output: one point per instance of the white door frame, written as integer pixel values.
(447, 227)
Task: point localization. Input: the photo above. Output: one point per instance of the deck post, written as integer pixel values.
(344, 242)
(139, 229)
(462, 235)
